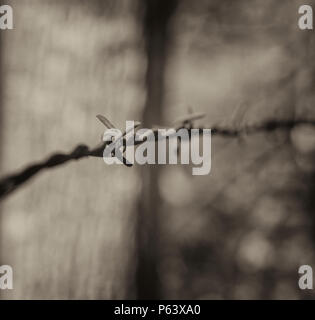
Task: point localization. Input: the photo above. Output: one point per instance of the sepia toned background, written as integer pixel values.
(90, 231)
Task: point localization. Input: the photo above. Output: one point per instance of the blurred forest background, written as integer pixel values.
(90, 231)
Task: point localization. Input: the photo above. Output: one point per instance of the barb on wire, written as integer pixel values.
(10, 183)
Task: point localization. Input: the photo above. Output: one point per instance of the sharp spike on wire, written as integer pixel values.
(105, 121)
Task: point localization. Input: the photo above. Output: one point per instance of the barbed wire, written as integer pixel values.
(11, 182)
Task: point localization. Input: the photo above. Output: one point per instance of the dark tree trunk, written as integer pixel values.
(156, 21)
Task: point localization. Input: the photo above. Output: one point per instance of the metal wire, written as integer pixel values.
(11, 182)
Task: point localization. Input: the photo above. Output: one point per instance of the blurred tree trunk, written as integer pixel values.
(67, 229)
(156, 20)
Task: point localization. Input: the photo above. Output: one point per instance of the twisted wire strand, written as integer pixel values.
(11, 182)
